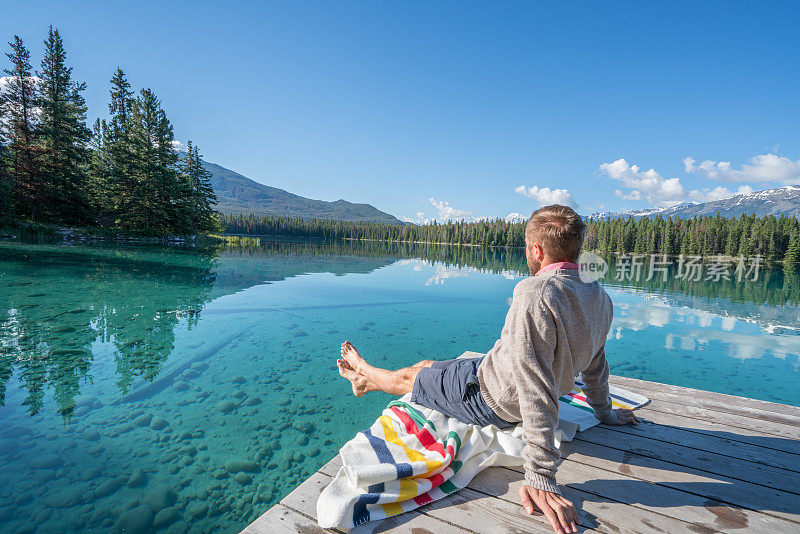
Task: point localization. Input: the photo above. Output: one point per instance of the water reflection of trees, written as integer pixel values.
(59, 301)
(775, 287)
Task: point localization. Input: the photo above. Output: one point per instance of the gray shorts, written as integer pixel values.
(451, 387)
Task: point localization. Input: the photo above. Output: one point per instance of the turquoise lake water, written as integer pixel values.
(180, 390)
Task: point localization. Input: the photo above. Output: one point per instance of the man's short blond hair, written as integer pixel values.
(559, 230)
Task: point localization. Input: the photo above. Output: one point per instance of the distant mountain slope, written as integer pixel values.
(777, 202)
(239, 194)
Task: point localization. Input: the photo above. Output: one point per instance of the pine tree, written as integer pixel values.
(99, 170)
(158, 187)
(6, 184)
(792, 257)
(63, 135)
(19, 101)
(200, 197)
(120, 180)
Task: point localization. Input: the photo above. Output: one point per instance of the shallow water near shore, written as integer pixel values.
(178, 390)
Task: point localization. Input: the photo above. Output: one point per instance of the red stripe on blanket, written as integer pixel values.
(425, 498)
(424, 437)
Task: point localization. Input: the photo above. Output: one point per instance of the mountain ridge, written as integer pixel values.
(777, 201)
(238, 194)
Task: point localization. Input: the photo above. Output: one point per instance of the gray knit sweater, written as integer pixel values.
(556, 328)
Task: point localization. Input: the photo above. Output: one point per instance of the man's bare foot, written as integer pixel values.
(352, 357)
(359, 382)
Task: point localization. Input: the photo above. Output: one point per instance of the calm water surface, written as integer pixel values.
(169, 390)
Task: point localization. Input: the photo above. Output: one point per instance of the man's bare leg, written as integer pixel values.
(366, 378)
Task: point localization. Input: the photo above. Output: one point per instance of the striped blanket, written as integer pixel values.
(413, 455)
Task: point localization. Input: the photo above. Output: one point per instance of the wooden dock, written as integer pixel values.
(702, 462)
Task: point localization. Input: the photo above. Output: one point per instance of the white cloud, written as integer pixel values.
(419, 218)
(6, 80)
(545, 195)
(761, 168)
(718, 193)
(445, 212)
(648, 184)
(651, 186)
(177, 145)
(635, 194)
(449, 213)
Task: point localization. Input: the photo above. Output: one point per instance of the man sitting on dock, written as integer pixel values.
(555, 328)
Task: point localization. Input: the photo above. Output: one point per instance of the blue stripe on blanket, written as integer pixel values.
(404, 470)
(360, 512)
(623, 399)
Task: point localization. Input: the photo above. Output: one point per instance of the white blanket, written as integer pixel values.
(413, 455)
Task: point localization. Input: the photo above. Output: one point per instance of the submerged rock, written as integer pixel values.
(46, 461)
(197, 509)
(238, 466)
(160, 498)
(143, 420)
(159, 423)
(165, 518)
(136, 520)
(243, 478)
(65, 498)
(137, 479)
(91, 435)
(108, 487)
(226, 406)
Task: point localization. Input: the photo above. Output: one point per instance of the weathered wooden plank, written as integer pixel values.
(411, 522)
(304, 497)
(740, 421)
(736, 492)
(332, 467)
(770, 411)
(718, 464)
(705, 512)
(484, 513)
(731, 432)
(597, 513)
(719, 444)
(282, 520)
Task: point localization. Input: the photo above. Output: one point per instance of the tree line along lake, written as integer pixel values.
(168, 389)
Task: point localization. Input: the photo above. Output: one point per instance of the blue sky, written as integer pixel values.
(447, 109)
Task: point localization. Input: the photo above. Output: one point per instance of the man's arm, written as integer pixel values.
(595, 379)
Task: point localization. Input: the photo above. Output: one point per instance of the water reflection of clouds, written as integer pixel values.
(700, 329)
(443, 273)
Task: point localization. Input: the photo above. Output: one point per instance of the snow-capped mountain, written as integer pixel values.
(515, 218)
(646, 212)
(779, 201)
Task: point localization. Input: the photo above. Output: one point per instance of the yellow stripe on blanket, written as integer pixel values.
(392, 509)
(415, 456)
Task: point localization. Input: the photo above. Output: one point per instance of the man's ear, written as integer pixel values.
(538, 251)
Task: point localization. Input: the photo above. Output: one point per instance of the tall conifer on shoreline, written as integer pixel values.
(20, 129)
(63, 135)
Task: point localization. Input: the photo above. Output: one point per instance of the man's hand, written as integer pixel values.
(625, 416)
(559, 511)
